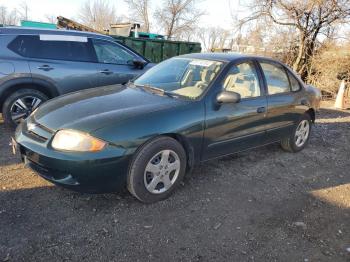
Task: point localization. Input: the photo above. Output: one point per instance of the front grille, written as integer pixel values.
(37, 136)
(37, 131)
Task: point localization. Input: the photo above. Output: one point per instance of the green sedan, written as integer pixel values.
(146, 135)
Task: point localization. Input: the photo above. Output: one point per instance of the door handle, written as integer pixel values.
(45, 67)
(106, 72)
(261, 109)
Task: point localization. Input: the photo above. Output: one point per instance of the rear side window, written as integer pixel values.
(32, 46)
(294, 83)
(276, 78)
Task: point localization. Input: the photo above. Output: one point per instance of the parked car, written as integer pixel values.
(183, 111)
(39, 64)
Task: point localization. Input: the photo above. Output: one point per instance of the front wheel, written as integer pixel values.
(300, 135)
(21, 104)
(158, 167)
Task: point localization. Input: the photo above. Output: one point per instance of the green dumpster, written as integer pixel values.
(157, 50)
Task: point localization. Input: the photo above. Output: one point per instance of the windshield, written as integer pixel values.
(186, 77)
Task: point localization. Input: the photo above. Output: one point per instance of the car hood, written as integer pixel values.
(92, 109)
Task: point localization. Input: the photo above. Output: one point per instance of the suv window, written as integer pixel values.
(276, 78)
(32, 46)
(294, 83)
(112, 53)
(243, 79)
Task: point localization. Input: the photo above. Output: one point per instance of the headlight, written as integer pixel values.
(70, 140)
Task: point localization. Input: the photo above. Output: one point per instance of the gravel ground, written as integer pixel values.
(262, 205)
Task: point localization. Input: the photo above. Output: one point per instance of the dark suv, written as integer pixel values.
(36, 65)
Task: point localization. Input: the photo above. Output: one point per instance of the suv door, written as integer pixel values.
(63, 60)
(234, 127)
(285, 100)
(115, 63)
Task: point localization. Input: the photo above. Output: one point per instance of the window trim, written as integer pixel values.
(290, 74)
(114, 43)
(265, 82)
(257, 71)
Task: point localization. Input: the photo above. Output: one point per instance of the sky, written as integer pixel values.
(218, 12)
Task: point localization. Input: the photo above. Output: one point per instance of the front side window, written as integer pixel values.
(243, 79)
(276, 78)
(112, 53)
(56, 47)
(187, 77)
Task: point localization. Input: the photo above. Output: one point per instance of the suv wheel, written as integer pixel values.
(20, 104)
(157, 169)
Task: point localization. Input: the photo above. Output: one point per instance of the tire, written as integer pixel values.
(11, 111)
(290, 143)
(150, 167)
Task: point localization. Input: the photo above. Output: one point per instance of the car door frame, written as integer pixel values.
(210, 101)
(120, 44)
(296, 104)
(103, 68)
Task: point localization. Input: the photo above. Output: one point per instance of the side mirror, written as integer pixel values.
(138, 63)
(228, 97)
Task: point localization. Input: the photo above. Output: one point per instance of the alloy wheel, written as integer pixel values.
(23, 107)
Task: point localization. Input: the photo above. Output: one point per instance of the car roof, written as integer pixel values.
(225, 57)
(13, 30)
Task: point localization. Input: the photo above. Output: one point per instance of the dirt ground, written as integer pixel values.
(262, 205)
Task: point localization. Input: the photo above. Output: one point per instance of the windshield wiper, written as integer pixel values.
(153, 89)
(156, 90)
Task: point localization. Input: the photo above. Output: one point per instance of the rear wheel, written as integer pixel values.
(300, 135)
(157, 169)
(20, 104)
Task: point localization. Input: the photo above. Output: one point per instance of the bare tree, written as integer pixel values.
(329, 66)
(50, 18)
(140, 11)
(178, 16)
(8, 17)
(310, 18)
(282, 44)
(24, 10)
(213, 37)
(97, 14)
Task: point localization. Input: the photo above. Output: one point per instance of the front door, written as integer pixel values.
(115, 63)
(234, 127)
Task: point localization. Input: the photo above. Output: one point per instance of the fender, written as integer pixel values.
(8, 82)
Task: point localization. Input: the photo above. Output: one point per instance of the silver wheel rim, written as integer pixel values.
(23, 107)
(162, 171)
(302, 133)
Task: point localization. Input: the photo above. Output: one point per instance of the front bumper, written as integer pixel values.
(99, 172)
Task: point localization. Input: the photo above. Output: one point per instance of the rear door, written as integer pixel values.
(115, 62)
(63, 60)
(234, 127)
(285, 100)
